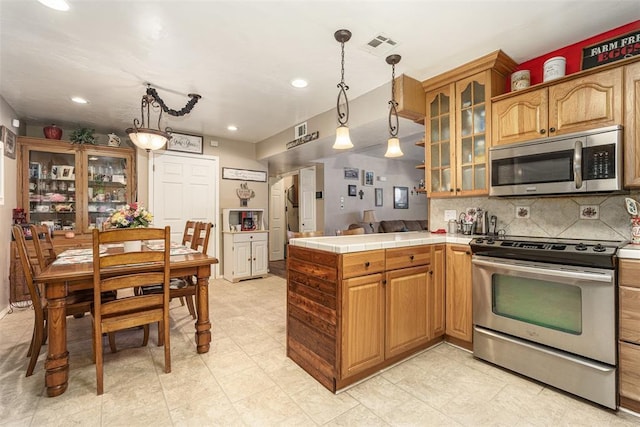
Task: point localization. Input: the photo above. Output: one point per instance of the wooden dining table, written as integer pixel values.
(75, 272)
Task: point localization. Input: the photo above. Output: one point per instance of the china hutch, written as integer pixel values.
(72, 189)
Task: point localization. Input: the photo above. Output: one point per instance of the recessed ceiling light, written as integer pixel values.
(79, 100)
(232, 128)
(60, 5)
(299, 83)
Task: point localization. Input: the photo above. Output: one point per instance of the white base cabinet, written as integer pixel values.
(246, 255)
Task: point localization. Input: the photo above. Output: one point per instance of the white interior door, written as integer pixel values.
(277, 221)
(307, 199)
(184, 187)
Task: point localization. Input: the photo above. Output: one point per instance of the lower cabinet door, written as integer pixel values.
(363, 323)
(259, 258)
(241, 260)
(629, 371)
(407, 306)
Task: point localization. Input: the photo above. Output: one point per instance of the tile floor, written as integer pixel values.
(246, 379)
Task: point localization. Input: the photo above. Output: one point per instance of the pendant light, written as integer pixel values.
(393, 144)
(148, 138)
(343, 141)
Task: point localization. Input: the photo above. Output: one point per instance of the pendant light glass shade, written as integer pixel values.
(148, 139)
(343, 141)
(393, 148)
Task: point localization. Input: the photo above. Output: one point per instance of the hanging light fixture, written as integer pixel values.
(393, 144)
(154, 139)
(343, 141)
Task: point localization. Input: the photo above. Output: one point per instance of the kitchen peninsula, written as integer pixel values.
(357, 304)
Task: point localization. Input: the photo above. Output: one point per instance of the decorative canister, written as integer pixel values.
(554, 68)
(52, 132)
(520, 80)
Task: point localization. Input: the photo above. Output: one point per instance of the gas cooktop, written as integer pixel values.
(596, 253)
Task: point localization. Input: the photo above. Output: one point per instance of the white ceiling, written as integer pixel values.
(240, 55)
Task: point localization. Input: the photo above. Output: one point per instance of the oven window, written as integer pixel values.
(538, 302)
(533, 169)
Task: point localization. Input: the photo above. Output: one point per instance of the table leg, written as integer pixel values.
(57, 364)
(203, 324)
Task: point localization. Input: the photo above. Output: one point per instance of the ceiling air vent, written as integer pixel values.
(380, 45)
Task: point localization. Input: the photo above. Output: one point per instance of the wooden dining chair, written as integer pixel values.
(121, 272)
(296, 234)
(75, 303)
(189, 233)
(43, 244)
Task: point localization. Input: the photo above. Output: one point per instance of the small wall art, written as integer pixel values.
(352, 190)
(185, 143)
(400, 197)
(379, 200)
(368, 178)
(351, 173)
(9, 139)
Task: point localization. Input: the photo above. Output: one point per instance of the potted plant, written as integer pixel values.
(83, 136)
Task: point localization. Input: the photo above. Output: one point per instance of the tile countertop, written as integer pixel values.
(629, 252)
(368, 242)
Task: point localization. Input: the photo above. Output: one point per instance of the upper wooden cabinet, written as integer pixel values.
(410, 98)
(73, 187)
(457, 125)
(572, 105)
(632, 125)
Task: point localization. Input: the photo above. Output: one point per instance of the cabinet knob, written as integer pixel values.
(367, 264)
(411, 257)
(543, 131)
(384, 282)
(430, 272)
(552, 129)
(468, 253)
(457, 190)
(451, 190)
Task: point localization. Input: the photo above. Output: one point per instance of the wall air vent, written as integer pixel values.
(300, 130)
(380, 45)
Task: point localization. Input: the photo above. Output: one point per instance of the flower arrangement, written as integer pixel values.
(130, 216)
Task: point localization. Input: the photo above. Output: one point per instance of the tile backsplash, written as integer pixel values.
(602, 217)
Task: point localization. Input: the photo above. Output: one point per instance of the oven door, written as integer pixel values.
(565, 307)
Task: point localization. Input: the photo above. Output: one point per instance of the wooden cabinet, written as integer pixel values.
(459, 318)
(246, 255)
(73, 187)
(632, 125)
(353, 314)
(629, 333)
(363, 323)
(437, 291)
(458, 125)
(571, 105)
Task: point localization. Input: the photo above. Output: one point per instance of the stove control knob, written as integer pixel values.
(581, 247)
(599, 248)
(479, 240)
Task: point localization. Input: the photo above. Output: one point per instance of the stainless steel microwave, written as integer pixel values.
(585, 162)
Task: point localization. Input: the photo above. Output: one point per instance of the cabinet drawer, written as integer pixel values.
(410, 256)
(362, 263)
(629, 273)
(630, 371)
(249, 237)
(629, 314)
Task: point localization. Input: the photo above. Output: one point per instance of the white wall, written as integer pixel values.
(398, 172)
(6, 215)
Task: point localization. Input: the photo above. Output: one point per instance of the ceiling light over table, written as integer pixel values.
(154, 139)
(299, 83)
(79, 100)
(60, 5)
(393, 144)
(343, 141)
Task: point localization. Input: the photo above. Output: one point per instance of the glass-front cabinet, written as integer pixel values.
(73, 187)
(457, 125)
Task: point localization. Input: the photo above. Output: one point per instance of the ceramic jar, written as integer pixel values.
(635, 230)
(52, 132)
(520, 80)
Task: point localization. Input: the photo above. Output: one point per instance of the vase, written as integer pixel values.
(635, 234)
(133, 246)
(52, 132)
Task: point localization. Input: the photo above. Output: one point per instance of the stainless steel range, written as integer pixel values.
(546, 308)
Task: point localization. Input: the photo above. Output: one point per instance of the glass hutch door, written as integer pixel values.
(108, 185)
(438, 149)
(52, 188)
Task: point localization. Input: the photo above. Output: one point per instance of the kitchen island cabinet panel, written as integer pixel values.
(361, 263)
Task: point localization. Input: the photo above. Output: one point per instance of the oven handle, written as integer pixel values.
(577, 163)
(545, 271)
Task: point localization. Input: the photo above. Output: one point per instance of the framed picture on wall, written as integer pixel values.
(378, 196)
(400, 197)
(185, 143)
(351, 173)
(352, 190)
(367, 178)
(9, 139)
